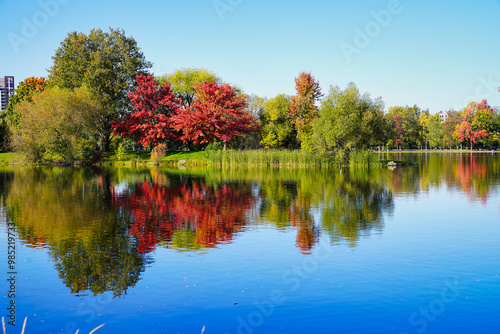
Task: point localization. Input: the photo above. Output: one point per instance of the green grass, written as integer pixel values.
(267, 158)
(7, 158)
(171, 158)
(128, 156)
(192, 158)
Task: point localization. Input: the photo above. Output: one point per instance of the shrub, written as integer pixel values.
(158, 152)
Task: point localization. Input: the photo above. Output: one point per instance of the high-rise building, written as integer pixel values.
(6, 90)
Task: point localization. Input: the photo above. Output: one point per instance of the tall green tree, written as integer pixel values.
(107, 63)
(183, 81)
(434, 133)
(348, 120)
(277, 128)
(407, 125)
(424, 127)
(448, 128)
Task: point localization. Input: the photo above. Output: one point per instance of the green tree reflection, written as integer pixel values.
(70, 212)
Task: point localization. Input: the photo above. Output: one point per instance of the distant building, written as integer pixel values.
(6, 91)
(443, 116)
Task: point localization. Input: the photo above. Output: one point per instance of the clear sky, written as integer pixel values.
(435, 54)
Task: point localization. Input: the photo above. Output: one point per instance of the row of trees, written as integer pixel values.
(99, 88)
(347, 119)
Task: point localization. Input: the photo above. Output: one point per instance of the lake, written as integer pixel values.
(252, 250)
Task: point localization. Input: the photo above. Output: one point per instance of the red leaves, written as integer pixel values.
(217, 113)
(471, 129)
(159, 212)
(155, 105)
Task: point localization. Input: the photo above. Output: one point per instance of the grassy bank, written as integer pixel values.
(266, 158)
(251, 158)
(8, 158)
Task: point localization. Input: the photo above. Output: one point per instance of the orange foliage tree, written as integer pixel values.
(302, 105)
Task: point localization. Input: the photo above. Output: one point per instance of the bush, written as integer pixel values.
(60, 125)
(363, 158)
(120, 152)
(158, 152)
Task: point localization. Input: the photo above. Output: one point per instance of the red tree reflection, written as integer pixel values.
(471, 175)
(213, 214)
(302, 219)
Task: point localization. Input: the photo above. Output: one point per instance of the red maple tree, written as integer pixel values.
(152, 122)
(217, 113)
(471, 129)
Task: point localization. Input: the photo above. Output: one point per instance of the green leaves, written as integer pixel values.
(60, 125)
(184, 80)
(107, 63)
(348, 120)
(277, 128)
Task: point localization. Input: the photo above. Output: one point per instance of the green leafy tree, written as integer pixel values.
(348, 120)
(485, 120)
(250, 141)
(59, 125)
(277, 128)
(24, 92)
(475, 123)
(4, 135)
(435, 134)
(408, 126)
(107, 63)
(495, 132)
(256, 105)
(448, 128)
(424, 127)
(183, 81)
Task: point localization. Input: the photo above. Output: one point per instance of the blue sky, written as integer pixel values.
(436, 54)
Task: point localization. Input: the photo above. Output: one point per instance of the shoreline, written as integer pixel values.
(275, 159)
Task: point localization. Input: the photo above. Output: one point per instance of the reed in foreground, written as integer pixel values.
(26, 319)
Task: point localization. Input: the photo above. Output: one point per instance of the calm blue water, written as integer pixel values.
(414, 250)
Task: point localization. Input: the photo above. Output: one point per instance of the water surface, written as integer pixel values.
(414, 249)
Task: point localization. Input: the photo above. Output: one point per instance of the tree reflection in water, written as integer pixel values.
(101, 225)
(187, 213)
(348, 204)
(70, 212)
